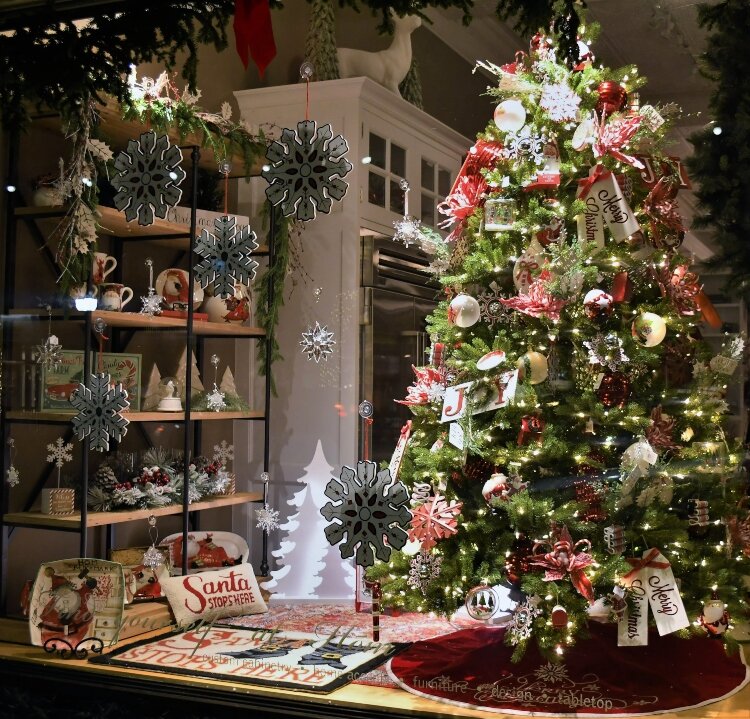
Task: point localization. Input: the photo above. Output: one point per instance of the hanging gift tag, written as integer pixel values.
(604, 197)
(663, 595)
(398, 453)
(591, 227)
(455, 401)
(456, 397)
(456, 435)
(651, 117)
(632, 629)
(505, 385)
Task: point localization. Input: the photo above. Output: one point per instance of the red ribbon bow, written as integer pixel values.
(614, 135)
(646, 561)
(254, 33)
(565, 558)
(584, 186)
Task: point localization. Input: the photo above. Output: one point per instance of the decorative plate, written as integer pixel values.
(74, 601)
(207, 550)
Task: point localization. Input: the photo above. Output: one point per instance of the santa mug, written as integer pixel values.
(104, 265)
(114, 296)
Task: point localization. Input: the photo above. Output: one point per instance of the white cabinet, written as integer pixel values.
(389, 139)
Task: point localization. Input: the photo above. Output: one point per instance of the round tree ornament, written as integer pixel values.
(481, 602)
(649, 329)
(510, 116)
(612, 97)
(532, 367)
(499, 214)
(464, 311)
(598, 304)
(614, 389)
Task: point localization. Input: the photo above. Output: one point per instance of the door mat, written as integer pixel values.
(293, 660)
(472, 668)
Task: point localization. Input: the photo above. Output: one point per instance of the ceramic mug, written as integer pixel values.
(113, 296)
(104, 265)
(78, 292)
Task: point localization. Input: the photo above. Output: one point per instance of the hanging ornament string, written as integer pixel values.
(152, 557)
(99, 326)
(225, 167)
(306, 71)
(366, 410)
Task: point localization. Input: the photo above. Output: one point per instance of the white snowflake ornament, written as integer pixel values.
(370, 511)
(268, 519)
(147, 179)
(215, 399)
(520, 624)
(12, 478)
(226, 256)
(223, 453)
(560, 102)
(408, 231)
(48, 354)
(306, 170)
(100, 406)
(424, 568)
(151, 303)
(317, 343)
(60, 452)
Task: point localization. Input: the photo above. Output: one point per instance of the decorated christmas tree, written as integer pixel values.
(567, 435)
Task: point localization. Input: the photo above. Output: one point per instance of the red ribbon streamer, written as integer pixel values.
(584, 186)
(253, 32)
(367, 421)
(647, 561)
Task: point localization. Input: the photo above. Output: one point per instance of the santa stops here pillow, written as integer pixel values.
(208, 596)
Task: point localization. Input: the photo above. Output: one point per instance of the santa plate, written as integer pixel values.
(74, 601)
(207, 550)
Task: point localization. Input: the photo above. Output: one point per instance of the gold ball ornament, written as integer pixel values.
(532, 367)
(649, 329)
(510, 116)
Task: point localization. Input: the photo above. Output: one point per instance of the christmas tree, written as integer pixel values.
(307, 557)
(196, 386)
(567, 432)
(411, 86)
(320, 44)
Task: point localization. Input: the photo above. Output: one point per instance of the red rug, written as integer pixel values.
(472, 668)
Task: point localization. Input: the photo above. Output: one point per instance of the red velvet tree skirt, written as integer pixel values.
(472, 668)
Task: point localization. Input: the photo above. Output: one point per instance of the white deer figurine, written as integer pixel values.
(387, 67)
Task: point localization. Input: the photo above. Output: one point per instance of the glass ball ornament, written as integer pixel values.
(649, 329)
(481, 602)
(306, 70)
(532, 367)
(510, 116)
(463, 311)
(612, 97)
(614, 389)
(598, 304)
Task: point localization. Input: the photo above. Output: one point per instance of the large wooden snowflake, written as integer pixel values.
(371, 510)
(99, 408)
(433, 520)
(305, 170)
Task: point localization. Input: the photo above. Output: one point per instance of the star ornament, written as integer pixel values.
(317, 343)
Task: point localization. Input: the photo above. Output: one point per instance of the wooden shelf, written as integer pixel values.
(135, 320)
(112, 222)
(72, 522)
(170, 417)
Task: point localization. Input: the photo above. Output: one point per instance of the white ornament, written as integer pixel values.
(317, 343)
(12, 478)
(59, 452)
(423, 569)
(464, 311)
(510, 116)
(223, 453)
(521, 621)
(532, 367)
(560, 102)
(215, 399)
(527, 265)
(649, 329)
(268, 519)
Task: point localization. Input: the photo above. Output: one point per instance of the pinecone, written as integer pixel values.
(105, 478)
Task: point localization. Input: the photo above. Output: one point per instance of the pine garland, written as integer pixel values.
(719, 163)
(320, 43)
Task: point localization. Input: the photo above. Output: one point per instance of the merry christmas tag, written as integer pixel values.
(591, 226)
(606, 198)
(632, 629)
(398, 453)
(663, 596)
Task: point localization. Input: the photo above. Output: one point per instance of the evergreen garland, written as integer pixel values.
(320, 44)
(719, 163)
(411, 86)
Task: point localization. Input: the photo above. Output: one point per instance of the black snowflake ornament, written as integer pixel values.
(306, 170)
(148, 178)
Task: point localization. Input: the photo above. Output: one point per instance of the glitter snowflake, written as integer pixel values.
(305, 170)
(439, 265)
(491, 309)
(520, 624)
(370, 509)
(215, 399)
(552, 673)
(424, 567)
(606, 350)
(522, 145)
(223, 453)
(99, 411)
(434, 519)
(48, 353)
(60, 452)
(148, 178)
(268, 519)
(151, 303)
(560, 102)
(317, 343)
(226, 256)
(408, 231)
(152, 557)
(12, 478)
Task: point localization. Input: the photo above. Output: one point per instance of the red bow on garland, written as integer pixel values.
(253, 33)
(566, 558)
(646, 561)
(614, 135)
(661, 207)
